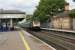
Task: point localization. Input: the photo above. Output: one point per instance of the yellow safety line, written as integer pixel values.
(24, 41)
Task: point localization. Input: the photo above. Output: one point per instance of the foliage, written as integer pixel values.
(72, 13)
(48, 8)
(28, 17)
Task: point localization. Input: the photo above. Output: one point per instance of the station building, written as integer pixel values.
(9, 18)
(63, 20)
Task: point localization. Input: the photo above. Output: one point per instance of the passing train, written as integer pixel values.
(35, 25)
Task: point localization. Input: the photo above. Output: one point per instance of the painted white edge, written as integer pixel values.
(71, 31)
(40, 40)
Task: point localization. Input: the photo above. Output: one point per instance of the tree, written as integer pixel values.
(72, 13)
(73, 0)
(48, 8)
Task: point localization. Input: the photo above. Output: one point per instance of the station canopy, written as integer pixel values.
(11, 14)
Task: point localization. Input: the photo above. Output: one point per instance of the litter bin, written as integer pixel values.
(11, 28)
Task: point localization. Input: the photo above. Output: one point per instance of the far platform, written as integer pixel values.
(61, 30)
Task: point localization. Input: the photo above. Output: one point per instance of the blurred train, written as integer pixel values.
(35, 25)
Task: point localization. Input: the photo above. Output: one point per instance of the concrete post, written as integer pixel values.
(11, 23)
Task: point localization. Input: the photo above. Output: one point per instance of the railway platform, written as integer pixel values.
(21, 40)
(60, 30)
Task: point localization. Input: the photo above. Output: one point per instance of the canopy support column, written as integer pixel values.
(11, 23)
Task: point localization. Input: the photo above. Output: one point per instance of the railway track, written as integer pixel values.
(59, 40)
(64, 36)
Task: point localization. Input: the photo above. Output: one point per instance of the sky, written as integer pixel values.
(71, 4)
(28, 6)
(24, 5)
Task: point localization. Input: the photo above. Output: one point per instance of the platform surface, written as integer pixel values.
(21, 40)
